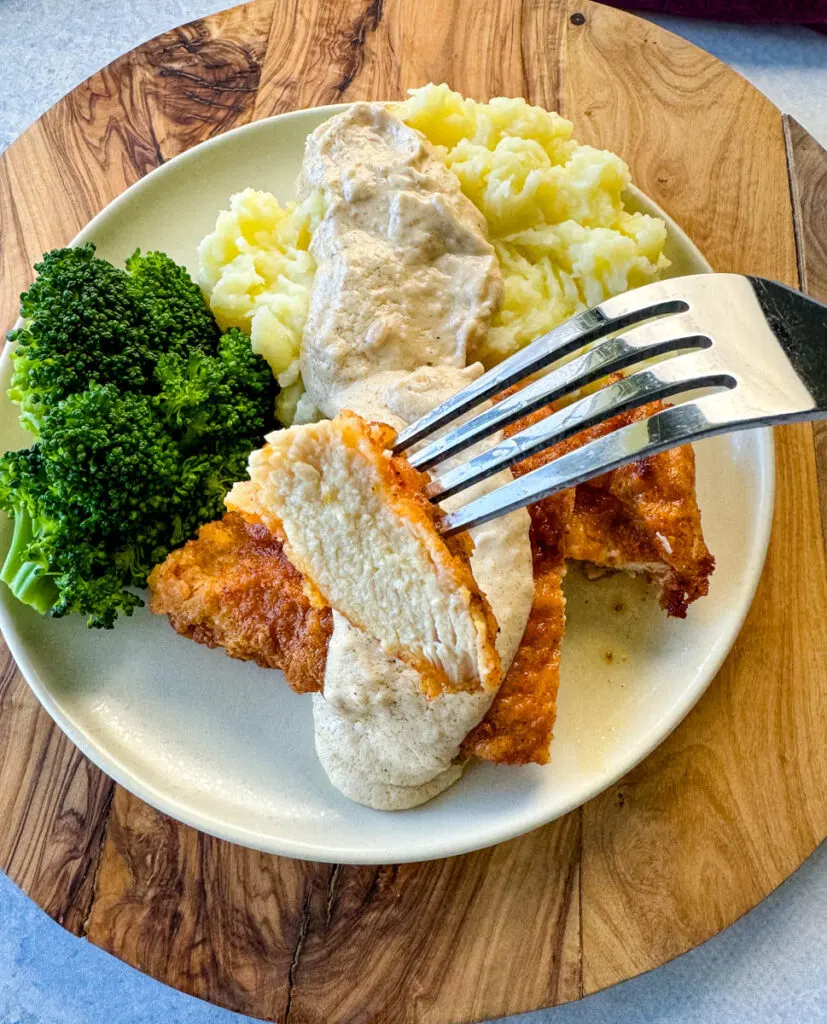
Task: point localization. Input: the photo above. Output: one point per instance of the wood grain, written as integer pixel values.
(498, 910)
(222, 921)
(689, 814)
(53, 805)
(275, 937)
(731, 803)
(808, 188)
(679, 118)
(320, 52)
(714, 819)
(144, 108)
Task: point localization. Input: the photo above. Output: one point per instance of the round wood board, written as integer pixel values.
(717, 817)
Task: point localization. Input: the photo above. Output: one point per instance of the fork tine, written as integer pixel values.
(680, 374)
(674, 426)
(619, 353)
(612, 316)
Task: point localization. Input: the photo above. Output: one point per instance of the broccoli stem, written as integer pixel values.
(24, 577)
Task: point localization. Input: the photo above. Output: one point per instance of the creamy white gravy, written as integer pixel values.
(405, 280)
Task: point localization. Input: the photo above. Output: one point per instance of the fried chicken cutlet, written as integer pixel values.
(643, 517)
(356, 524)
(639, 518)
(233, 587)
(518, 726)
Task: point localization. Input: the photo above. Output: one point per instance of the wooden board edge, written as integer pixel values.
(807, 169)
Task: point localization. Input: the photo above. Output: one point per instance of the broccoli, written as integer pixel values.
(87, 322)
(94, 504)
(106, 454)
(22, 494)
(83, 324)
(145, 416)
(55, 563)
(213, 396)
(177, 316)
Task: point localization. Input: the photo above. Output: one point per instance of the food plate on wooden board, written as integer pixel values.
(223, 746)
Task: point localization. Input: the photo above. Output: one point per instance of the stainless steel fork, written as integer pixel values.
(757, 349)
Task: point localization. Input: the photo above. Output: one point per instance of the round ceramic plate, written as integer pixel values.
(228, 747)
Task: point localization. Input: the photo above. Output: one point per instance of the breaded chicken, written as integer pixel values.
(356, 524)
(233, 587)
(643, 517)
(518, 726)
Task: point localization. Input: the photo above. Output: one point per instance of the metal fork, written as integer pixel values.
(757, 348)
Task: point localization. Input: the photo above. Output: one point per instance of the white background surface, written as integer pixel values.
(769, 968)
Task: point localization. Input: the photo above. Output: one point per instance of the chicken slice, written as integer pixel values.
(358, 528)
(234, 586)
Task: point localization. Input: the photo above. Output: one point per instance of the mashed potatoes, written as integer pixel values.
(257, 271)
(554, 211)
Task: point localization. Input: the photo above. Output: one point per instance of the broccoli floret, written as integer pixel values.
(214, 397)
(86, 321)
(109, 458)
(146, 416)
(103, 497)
(90, 505)
(22, 492)
(55, 563)
(178, 317)
(83, 324)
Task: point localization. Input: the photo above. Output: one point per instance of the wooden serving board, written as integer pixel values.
(717, 817)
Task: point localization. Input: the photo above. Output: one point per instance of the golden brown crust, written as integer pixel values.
(401, 488)
(641, 517)
(616, 522)
(233, 587)
(518, 726)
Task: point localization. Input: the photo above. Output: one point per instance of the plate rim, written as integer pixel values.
(436, 847)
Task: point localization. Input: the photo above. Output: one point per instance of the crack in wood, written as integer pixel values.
(204, 101)
(93, 869)
(363, 26)
(332, 892)
(159, 156)
(384, 876)
(204, 83)
(304, 924)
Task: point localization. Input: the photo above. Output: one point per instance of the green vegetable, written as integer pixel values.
(178, 318)
(213, 396)
(145, 415)
(87, 322)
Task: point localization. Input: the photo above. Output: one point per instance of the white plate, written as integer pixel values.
(228, 747)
